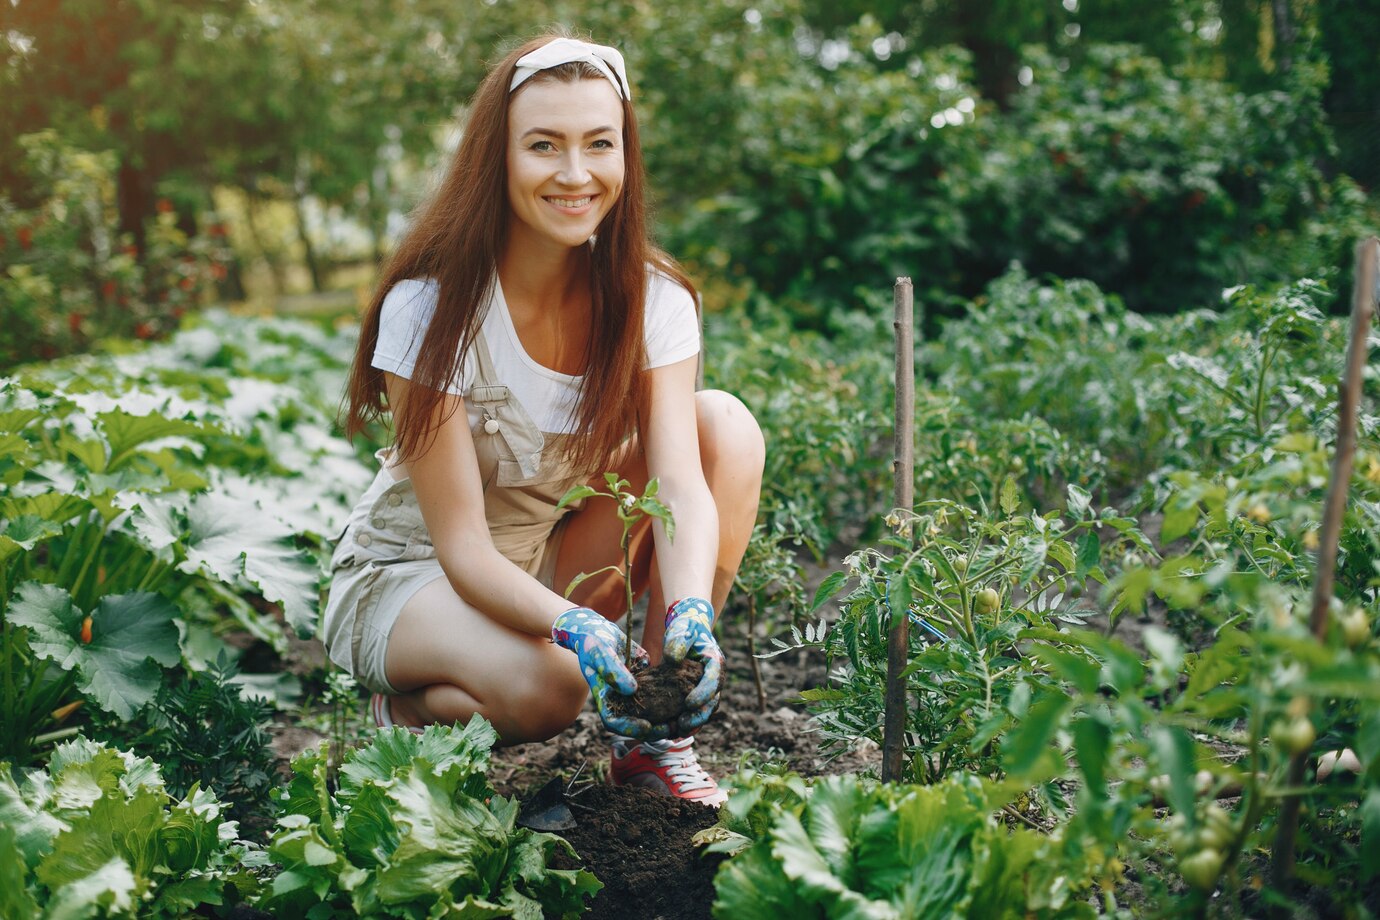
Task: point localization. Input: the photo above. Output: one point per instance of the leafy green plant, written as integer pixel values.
(414, 830)
(203, 731)
(973, 581)
(631, 509)
(97, 833)
(851, 847)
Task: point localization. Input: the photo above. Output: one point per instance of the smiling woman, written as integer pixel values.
(525, 338)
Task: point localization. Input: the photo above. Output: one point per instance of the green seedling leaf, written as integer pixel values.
(130, 636)
(582, 577)
(575, 494)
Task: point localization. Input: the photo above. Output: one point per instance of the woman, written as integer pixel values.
(526, 337)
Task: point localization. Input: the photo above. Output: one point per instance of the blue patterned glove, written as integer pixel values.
(599, 645)
(690, 634)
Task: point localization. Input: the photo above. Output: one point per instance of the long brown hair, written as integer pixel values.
(456, 239)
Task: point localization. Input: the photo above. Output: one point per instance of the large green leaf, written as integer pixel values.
(23, 814)
(24, 533)
(124, 432)
(235, 541)
(131, 634)
(114, 828)
(110, 890)
(15, 899)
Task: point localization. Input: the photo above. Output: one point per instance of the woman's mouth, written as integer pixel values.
(572, 204)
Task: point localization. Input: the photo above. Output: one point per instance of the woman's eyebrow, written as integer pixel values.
(560, 135)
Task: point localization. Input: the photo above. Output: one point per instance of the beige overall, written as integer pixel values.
(385, 554)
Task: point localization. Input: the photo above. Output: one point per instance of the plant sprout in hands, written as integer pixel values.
(632, 508)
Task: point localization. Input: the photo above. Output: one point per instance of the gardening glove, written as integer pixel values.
(690, 634)
(599, 646)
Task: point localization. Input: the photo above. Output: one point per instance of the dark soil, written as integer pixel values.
(661, 692)
(638, 844)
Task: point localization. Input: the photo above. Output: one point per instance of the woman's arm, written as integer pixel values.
(671, 441)
(449, 492)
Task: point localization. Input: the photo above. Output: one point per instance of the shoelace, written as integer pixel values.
(682, 766)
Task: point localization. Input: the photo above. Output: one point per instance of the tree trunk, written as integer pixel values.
(134, 198)
(308, 251)
(275, 267)
(1284, 35)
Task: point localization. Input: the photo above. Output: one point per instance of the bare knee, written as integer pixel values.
(730, 438)
(543, 703)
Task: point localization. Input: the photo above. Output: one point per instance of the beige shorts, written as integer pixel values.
(384, 557)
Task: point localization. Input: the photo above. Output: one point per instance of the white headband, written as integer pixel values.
(560, 51)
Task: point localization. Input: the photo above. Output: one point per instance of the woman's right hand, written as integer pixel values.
(599, 646)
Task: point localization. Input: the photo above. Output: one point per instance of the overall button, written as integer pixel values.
(378, 523)
(491, 426)
(363, 539)
(395, 499)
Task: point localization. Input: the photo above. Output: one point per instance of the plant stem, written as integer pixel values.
(752, 652)
(1334, 509)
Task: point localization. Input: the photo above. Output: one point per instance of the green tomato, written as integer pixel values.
(1355, 627)
(986, 601)
(1217, 830)
(1202, 869)
(1293, 736)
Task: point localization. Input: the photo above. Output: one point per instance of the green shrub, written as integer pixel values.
(69, 279)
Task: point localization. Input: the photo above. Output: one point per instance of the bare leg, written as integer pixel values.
(450, 661)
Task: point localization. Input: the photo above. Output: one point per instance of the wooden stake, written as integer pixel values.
(1363, 304)
(903, 468)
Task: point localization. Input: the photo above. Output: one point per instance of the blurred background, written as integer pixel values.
(160, 155)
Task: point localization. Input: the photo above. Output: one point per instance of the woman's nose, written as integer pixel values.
(573, 170)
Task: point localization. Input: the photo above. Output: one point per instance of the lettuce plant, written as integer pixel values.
(414, 830)
(849, 847)
(96, 833)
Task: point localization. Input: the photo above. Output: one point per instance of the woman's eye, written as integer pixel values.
(602, 144)
(543, 147)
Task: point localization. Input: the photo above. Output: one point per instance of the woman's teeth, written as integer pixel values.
(571, 202)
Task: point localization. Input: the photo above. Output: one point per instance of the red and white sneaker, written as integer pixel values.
(667, 767)
(382, 711)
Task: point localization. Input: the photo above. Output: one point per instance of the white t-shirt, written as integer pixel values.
(671, 327)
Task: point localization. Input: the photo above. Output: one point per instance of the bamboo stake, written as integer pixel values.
(1364, 302)
(903, 468)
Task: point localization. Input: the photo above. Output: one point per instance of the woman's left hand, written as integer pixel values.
(690, 634)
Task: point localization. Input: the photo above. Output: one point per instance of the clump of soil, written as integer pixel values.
(637, 842)
(661, 691)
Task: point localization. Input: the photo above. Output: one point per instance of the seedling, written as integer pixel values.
(632, 508)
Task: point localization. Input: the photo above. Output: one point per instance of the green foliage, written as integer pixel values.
(143, 499)
(68, 279)
(96, 833)
(849, 847)
(204, 732)
(973, 583)
(631, 508)
(414, 830)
